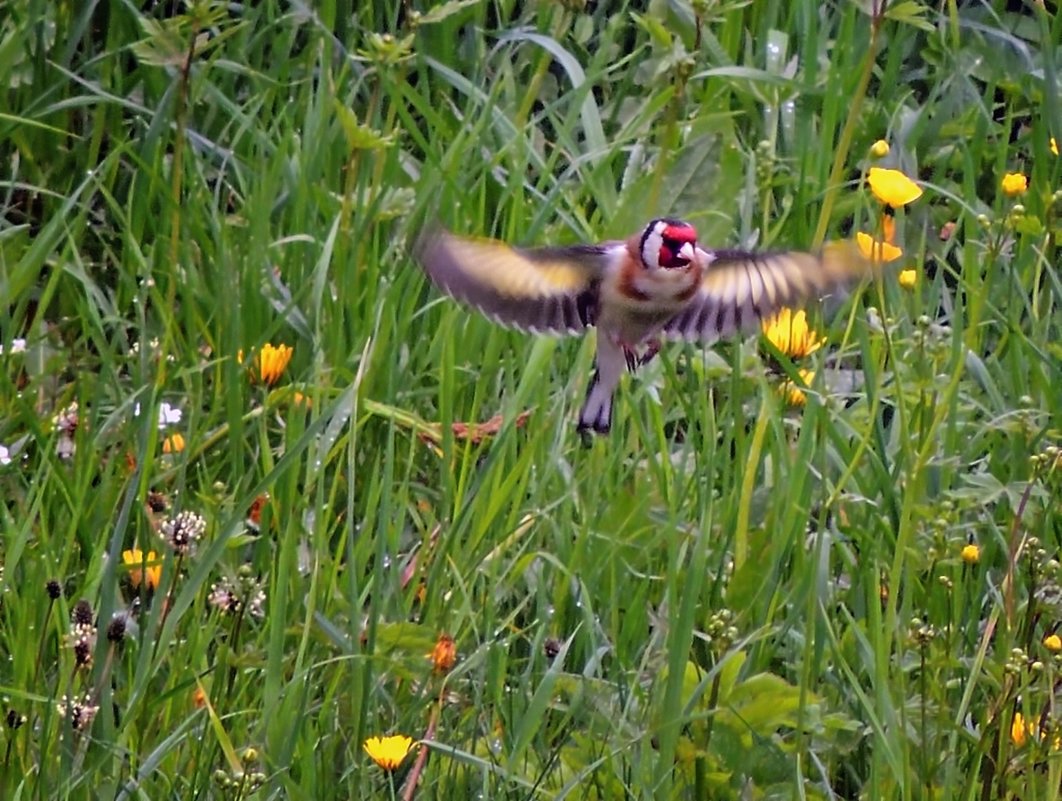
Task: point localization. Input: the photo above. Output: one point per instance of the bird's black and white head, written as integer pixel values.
(668, 244)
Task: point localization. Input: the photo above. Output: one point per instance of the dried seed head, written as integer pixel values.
(82, 614)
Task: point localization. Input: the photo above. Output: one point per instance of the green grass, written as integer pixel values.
(725, 598)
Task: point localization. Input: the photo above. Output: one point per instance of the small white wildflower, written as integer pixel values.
(5, 455)
(18, 345)
(168, 415)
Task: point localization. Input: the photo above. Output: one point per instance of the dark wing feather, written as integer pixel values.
(741, 289)
(539, 289)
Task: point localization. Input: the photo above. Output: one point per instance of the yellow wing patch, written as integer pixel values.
(509, 272)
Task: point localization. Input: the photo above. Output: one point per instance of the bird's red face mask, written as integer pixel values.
(669, 245)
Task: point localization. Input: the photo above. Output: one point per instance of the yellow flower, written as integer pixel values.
(444, 654)
(269, 363)
(174, 443)
(1014, 184)
(908, 278)
(879, 149)
(388, 752)
(147, 570)
(789, 332)
(881, 252)
(971, 554)
(794, 395)
(1053, 643)
(892, 187)
(1019, 730)
(1053, 145)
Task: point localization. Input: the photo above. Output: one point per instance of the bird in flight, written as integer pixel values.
(659, 282)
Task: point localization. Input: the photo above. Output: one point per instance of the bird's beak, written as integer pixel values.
(687, 252)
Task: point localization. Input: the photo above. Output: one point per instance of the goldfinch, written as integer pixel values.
(657, 282)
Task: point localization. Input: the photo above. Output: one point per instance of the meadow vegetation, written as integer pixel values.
(269, 499)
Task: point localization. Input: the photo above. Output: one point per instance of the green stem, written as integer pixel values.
(844, 144)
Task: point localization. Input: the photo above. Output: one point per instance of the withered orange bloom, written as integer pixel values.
(444, 654)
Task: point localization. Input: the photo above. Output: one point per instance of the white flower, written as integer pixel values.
(5, 455)
(18, 345)
(168, 415)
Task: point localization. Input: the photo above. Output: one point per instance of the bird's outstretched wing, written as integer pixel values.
(539, 289)
(740, 289)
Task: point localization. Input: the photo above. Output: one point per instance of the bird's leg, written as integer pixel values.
(631, 356)
(652, 348)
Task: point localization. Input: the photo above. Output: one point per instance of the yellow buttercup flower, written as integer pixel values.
(1053, 643)
(146, 570)
(879, 149)
(388, 752)
(1014, 184)
(880, 252)
(908, 278)
(1053, 145)
(270, 363)
(971, 554)
(794, 395)
(892, 187)
(789, 332)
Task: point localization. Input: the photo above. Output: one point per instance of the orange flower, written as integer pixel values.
(199, 698)
(444, 654)
(174, 443)
(254, 514)
(269, 363)
(143, 570)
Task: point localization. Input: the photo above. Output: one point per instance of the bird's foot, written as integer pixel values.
(651, 349)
